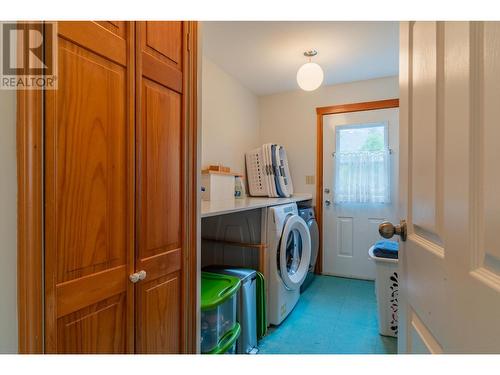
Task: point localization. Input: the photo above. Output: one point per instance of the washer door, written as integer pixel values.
(313, 229)
(294, 252)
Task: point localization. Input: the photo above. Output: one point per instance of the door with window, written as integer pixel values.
(360, 165)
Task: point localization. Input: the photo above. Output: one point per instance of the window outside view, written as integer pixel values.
(362, 165)
(363, 138)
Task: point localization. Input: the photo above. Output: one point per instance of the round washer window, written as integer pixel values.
(293, 251)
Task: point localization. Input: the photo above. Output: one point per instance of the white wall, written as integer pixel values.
(230, 119)
(290, 119)
(8, 223)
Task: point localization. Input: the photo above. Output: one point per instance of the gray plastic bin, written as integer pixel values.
(246, 313)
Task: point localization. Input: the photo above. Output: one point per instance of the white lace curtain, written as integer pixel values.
(362, 177)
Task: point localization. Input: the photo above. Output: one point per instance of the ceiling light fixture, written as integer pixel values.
(310, 75)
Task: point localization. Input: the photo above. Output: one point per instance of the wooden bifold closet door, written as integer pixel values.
(160, 115)
(114, 175)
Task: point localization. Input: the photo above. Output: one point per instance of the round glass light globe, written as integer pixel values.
(310, 76)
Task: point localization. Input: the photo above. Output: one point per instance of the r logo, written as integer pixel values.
(28, 58)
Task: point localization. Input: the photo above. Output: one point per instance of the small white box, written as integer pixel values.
(217, 186)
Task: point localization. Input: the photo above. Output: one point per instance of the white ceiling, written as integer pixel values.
(265, 56)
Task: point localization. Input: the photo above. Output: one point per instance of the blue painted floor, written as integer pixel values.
(333, 316)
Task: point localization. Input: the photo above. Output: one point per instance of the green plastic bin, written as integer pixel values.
(227, 344)
(218, 311)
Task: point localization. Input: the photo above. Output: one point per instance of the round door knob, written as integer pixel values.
(387, 230)
(137, 276)
(327, 202)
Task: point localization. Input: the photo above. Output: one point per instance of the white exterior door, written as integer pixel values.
(450, 184)
(350, 229)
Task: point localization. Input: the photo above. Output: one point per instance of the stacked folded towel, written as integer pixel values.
(386, 249)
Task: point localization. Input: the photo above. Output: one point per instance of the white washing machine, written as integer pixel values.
(289, 250)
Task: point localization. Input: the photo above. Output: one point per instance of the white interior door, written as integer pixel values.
(349, 229)
(449, 181)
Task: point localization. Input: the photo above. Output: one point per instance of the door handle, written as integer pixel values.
(387, 229)
(138, 276)
(327, 202)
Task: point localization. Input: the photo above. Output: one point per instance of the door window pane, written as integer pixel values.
(362, 164)
(361, 138)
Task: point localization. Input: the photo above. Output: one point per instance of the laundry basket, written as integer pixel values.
(387, 289)
(218, 311)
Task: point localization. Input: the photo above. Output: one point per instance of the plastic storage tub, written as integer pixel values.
(246, 314)
(387, 290)
(227, 344)
(218, 308)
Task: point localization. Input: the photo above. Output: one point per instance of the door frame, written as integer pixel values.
(331, 110)
(30, 181)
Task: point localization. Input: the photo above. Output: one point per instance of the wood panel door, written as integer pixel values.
(161, 49)
(89, 191)
(449, 178)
